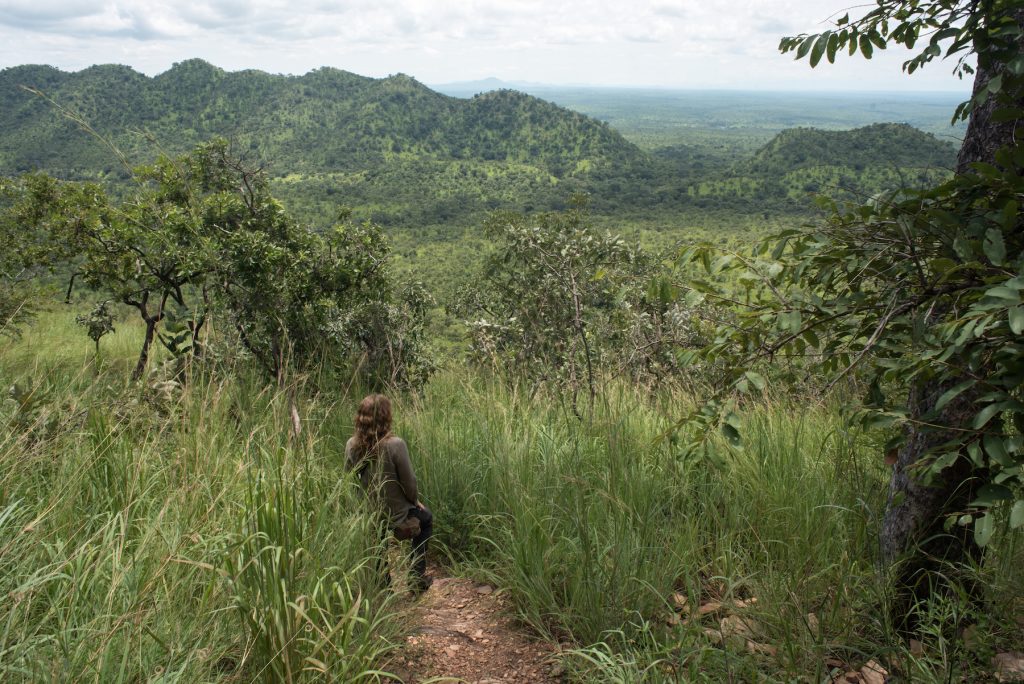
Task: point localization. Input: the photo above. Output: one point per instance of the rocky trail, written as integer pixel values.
(463, 632)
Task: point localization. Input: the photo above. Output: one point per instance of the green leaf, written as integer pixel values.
(831, 48)
(952, 393)
(985, 415)
(811, 338)
(756, 379)
(790, 320)
(1011, 211)
(1016, 284)
(1017, 515)
(779, 248)
(995, 447)
(876, 420)
(944, 461)
(991, 494)
(983, 529)
(818, 51)
(995, 248)
(1016, 317)
(995, 84)
(866, 48)
(805, 47)
(1003, 292)
(732, 435)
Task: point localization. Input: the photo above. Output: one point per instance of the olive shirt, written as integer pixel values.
(386, 476)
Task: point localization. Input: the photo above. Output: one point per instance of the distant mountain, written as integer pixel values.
(402, 154)
(326, 120)
(849, 165)
(890, 145)
(486, 85)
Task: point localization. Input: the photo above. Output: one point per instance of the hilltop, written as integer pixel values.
(847, 164)
(890, 144)
(393, 149)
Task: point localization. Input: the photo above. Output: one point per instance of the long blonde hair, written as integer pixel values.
(373, 423)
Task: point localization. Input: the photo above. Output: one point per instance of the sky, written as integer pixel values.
(727, 44)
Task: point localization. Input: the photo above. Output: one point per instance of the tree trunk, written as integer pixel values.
(917, 511)
(140, 367)
(985, 136)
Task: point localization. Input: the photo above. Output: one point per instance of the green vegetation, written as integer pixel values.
(412, 159)
(200, 236)
(601, 534)
(720, 462)
(386, 146)
(429, 168)
(174, 530)
(184, 530)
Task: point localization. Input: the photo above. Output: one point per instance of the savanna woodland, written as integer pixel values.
(728, 403)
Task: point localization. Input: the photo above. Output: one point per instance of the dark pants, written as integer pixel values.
(422, 540)
(419, 544)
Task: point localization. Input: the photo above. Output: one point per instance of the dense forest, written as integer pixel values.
(405, 156)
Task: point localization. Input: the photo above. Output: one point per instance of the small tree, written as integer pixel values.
(143, 252)
(544, 295)
(19, 263)
(97, 323)
(388, 335)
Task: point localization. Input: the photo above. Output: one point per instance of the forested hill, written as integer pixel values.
(851, 165)
(327, 120)
(894, 145)
(404, 155)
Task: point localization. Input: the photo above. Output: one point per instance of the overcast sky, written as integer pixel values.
(670, 43)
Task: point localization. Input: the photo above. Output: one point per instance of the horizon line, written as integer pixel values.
(517, 84)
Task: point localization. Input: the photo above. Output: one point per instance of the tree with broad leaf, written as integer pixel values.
(199, 234)
(919, 294)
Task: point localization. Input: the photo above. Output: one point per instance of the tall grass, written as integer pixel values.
(593, 528)
(175, 534)
(185, 533)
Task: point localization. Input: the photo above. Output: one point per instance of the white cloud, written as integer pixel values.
(710, 43)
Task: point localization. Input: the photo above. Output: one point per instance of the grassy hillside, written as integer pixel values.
(326, 120)
(894, 145)
(177, 532)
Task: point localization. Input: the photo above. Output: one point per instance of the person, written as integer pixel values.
(381, 461)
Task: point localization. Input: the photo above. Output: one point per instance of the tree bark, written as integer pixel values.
(917, 511)
(140, 367)
(984, 136)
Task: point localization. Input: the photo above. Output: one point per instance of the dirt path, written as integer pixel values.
(463, 633)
